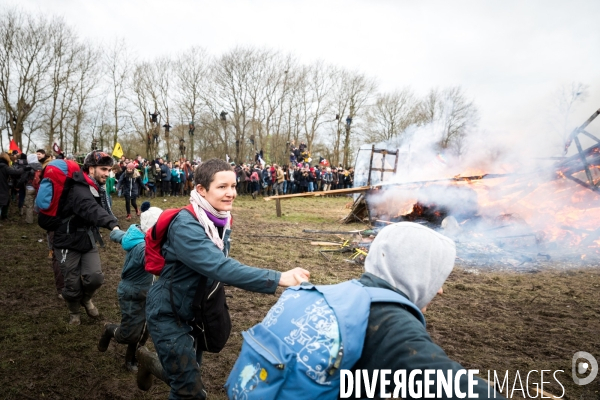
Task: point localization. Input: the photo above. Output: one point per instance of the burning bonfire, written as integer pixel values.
(512, 218)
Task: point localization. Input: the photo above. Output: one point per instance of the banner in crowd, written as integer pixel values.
(118, 150)
(13, 146)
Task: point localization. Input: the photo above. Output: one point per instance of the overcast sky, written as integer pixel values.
(510, 56)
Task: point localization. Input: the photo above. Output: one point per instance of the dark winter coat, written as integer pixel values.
(165, 173)
(6, 173)
(129, 185)
(86, 214)
(396, 340)
(151, 173)
(266, 176)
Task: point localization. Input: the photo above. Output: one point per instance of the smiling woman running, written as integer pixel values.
(198, 246)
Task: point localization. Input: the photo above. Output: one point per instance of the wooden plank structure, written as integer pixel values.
(582, 154)
(313, 194)
(383, 170)
(363, 189)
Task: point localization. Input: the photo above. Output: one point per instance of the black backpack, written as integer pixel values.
(211, 325)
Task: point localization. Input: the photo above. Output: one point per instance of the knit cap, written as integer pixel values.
(149, 218)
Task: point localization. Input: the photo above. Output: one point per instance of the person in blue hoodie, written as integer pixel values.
(133, 288)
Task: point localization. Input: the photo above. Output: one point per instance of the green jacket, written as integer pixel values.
(110, 185)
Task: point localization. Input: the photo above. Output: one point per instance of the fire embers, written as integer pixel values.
(427, 213)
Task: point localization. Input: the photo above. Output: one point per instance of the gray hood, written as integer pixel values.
(412, 258)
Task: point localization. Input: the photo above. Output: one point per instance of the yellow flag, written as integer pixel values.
(118, 151)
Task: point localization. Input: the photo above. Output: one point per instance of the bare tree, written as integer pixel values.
(391, 114)
(117, 65)
(232, 75)
(163, 73)
(451, 116)
(62, 71)
(25, 56)
(351, 92)
(87, 70)
(315, 99)
(276, 79)
(99, 126)
(144, 97)
(191, 70)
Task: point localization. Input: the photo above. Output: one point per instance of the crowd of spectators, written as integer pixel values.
(20, 177)
(166, 178)
(274, 179)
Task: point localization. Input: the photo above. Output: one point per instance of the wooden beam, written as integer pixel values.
(278, 207)
(318, 194)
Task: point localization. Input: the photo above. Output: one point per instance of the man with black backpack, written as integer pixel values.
(85, 208)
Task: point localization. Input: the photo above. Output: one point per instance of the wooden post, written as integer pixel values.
(383, 154)
(278, 207)
(585, 163)
(370, 165)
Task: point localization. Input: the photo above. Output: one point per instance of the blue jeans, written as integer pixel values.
(311, 187)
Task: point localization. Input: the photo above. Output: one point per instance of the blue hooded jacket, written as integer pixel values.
(133, 242)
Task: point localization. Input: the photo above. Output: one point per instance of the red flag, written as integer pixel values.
(13, 146)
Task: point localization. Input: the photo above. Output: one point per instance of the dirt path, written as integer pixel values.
(485, 320)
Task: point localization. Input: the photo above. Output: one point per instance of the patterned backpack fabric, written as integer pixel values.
(311, 333)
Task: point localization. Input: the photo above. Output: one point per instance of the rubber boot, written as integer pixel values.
(148, 367)
(109, 333)
(74, 318)
(90, 308)
(130, 360)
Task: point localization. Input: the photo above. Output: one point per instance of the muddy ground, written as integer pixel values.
(485, 320)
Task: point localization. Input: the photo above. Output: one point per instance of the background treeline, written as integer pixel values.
(58, 87)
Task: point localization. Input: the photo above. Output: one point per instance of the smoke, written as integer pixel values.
(524, 206)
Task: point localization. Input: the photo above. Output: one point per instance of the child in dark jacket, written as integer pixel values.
(132, 289)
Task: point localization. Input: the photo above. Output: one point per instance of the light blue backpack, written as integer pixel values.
(311, 333)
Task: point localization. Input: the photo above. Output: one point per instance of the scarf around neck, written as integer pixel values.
(210, 218)
(103, 196)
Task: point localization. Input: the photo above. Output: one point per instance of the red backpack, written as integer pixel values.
(157, 236)
(57, 180)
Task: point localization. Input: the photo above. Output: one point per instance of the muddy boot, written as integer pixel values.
(73, 307)
(109, 333)
(148, 367)
(130, 360)
(90, 308)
